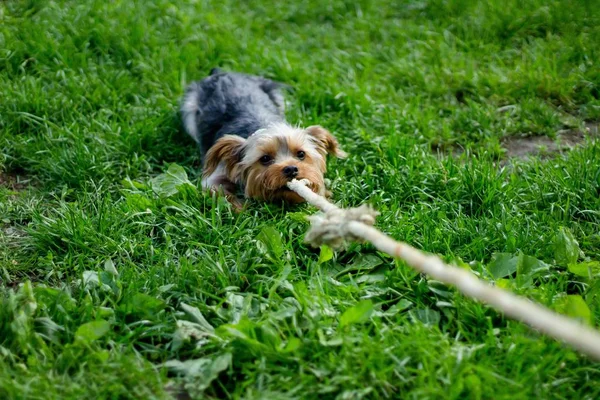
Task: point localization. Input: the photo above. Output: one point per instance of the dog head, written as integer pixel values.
(264, 163)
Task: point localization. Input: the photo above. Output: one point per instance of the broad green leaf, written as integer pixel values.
(440, 289)
(566, 248)
(197, 317)
(90, 279)
(108, 282)
(329, 342)
(528, 268)
(401, 305)
(461, 264)
(503, 265)
(200, 372)
(109, 267)
(426, 315)
(371, 278)
(292, 345)
(587, 269)
(325, 255)
(236, 305)
(285, 312)
(573, 306)
(168, 184)
(265, 334)
(359, 313)
(91, 331)
(186, 331)
(363, 262)
(142, 304)
(271, 238)
(504, 283)
(105, 312)
(366, 262)
(102, 356)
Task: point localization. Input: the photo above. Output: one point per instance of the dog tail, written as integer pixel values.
(190, 110)
(190, 106)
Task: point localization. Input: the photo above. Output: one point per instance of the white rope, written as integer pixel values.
(336, 226)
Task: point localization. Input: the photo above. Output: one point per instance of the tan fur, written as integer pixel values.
(226, 150)
(327, 143)
(239, 161)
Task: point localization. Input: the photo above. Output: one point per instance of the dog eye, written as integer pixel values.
(265, 159)
(300, 155)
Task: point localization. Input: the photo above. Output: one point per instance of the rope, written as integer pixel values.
(336, 226)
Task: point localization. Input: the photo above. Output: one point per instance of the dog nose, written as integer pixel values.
(290, 171)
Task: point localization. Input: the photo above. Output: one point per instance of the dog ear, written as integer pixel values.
(227, 151)
(326, 142)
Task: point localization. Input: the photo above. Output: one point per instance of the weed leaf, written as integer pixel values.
(92, 331)
(271, 238)
(109, 267)
(566, 248)
(359, 313)
(325, 255)
(200, 373)
(363, 262)
(574, 306)
(588, 269)
(197, 317)
(528, 268)
(168, 184)
(143, 305)
(503, 265)
(426, 315)
(402, 305)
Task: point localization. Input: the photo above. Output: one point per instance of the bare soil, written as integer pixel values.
(14, 181)
(526, 147)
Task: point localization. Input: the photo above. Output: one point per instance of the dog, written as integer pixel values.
(246, 146)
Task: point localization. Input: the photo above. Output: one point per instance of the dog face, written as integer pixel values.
(265, 162)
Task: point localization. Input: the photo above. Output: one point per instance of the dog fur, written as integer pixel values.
(245, 143)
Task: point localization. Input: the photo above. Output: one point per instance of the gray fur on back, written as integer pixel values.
(226, 103)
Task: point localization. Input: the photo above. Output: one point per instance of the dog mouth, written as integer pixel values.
(286, 189)
(290, 196)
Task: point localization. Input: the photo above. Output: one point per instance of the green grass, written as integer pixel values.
(110, 290)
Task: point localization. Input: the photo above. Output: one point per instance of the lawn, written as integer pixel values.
(119, 278)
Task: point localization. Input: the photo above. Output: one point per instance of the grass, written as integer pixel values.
(114, 288)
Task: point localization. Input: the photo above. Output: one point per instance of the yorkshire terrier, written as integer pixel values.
(245, 143)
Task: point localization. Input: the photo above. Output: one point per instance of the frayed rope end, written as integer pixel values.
(331, 228)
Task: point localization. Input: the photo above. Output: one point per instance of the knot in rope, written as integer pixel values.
(331, 227)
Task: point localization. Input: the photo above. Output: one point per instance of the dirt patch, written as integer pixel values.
(527, 147)
(11, 237)
(524, 148)
(11, 233)
(14, 181)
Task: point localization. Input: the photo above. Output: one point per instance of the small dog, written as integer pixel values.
(245, 143)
